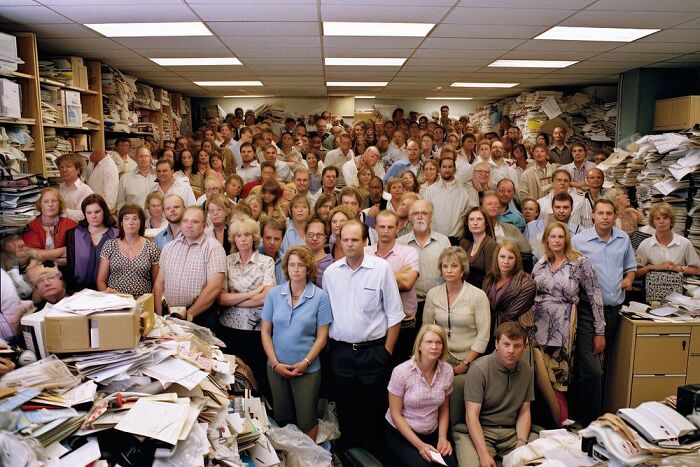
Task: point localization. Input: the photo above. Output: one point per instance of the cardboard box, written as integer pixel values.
(114, 330)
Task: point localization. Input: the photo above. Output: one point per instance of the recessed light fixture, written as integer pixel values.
(364, 97)
(335, 28)
(351, 84)
(151, 29)
(244, 97)
(484, 85)
(228, 83)
(567, 33)
(196, 61)
(448, 98)
(365, 61)
(533, 63)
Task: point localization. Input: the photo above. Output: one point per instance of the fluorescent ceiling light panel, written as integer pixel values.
(151, 29)
(364, 97)
(448, 98)
(567, 33)
(533, 63)
(196, 61)
(351, 84)
(335, 28)
(365, 61)
(484, 85)
(244, 97)
(228, 83)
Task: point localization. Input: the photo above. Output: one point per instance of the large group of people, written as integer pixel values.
(447, 277)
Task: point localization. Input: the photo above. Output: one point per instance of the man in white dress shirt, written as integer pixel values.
(135, 185)
(72, 189)
(102, 175)
(367, 313)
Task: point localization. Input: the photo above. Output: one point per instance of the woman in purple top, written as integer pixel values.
(84, 244)
(419, 404)
(559, 275)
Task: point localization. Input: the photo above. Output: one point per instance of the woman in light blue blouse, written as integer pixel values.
(299, 312)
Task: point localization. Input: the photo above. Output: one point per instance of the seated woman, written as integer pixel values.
(45, 237)
(559, 275)
(419, 412)
(154, 208)
(666, 250)
(129, 263)
(316, 235)
(479, 244)
(84, 244)
(295, 321)
(250, 275)
(218, 210)
(511, 290)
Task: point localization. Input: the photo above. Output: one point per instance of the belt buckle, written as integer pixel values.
(355, 347)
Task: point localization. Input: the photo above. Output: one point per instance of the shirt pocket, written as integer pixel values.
(369, 299)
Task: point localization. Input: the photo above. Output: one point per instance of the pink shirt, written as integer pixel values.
(399, 257)
(421, 400)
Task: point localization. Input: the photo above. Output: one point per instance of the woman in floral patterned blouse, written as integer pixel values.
(249, 277)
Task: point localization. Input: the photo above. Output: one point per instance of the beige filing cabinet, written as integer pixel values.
(650, 360)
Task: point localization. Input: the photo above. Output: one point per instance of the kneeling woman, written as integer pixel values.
(419, 403)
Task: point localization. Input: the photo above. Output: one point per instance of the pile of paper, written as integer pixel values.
(17, 201)
(145, 98)
(171, 392)
(118, 90)
(14, 140)
(57, 69)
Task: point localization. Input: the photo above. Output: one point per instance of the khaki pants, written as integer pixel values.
(498, 442)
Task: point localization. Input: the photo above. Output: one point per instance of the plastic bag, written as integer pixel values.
(20, 452)
(190, 452)
(328, 427)
(299, 449)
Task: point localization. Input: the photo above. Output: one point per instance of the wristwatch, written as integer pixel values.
(467, 363)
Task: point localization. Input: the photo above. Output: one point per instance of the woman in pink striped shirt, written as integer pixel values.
(419, 404)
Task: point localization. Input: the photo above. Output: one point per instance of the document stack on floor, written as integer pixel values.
(163, 402)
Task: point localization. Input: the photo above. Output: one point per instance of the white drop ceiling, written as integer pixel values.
(281, 44)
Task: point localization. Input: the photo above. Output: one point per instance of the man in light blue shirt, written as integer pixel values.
(612, 255)
(173, 210)
(413, 163)
(505, 189)
(367, 314)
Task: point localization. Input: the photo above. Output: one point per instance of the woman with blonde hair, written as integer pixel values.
(45, 237)
(430, 173)
(559, 275)
(154, 208)
(418, 417)
(249, 275)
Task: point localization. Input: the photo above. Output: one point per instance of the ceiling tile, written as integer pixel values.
(94, 3)
(547, 55)
(220, 51)
(256, 12)
(565, 46)
(673, 35)
(99, 43)
(217, 75)
(141, 43)
(116, 13)
(664, 47)
(265, 28)
(690, 58)
(487, 32)
(276, 70)
(265, 42)
(625, 19)
(372, 3)
(470, 44)
(350, 52)
(646, 5)
(691, 24)
(522, 16)
(31, 14)
(20, 3)
(543, 4)
(457, 53)
(283, 61)
(372, 42)
(278, 52)
(633, 57)
(381, 13)
(61, 31)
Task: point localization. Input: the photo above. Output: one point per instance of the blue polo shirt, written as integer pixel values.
(294, 330)
(612, 260)
(279, 275)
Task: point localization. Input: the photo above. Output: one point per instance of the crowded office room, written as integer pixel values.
(367, 233)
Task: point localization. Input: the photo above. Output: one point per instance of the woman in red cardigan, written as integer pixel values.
(46, 237)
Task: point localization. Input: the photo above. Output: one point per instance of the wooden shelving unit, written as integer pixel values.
(27, 75)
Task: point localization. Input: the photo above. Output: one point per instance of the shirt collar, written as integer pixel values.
(674, 241)
(308, 292)
(500, 367)
(413, 366)
(198, 241)
(253, 259)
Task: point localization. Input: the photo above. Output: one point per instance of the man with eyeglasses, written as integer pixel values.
(428, 244)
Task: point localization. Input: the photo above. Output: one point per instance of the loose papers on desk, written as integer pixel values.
(87, 302)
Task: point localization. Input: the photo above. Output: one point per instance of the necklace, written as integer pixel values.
(130, 246)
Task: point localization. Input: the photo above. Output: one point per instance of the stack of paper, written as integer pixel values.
(87, 302)
(118, 90)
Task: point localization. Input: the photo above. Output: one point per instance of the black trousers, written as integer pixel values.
(247, 346)
(359, 383)
(588, 385)
(400, 453)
